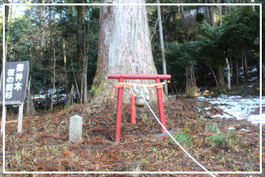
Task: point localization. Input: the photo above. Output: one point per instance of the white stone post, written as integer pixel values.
(75, 132)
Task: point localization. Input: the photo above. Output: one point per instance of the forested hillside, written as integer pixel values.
(200, 44)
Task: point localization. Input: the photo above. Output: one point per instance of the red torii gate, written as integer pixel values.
(121, 78)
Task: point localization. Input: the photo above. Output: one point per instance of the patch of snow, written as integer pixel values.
(237, 107)
(251, 70)
(252, 79)
(231, 128)
(207, 108)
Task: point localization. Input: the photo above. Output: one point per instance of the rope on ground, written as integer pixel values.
(186, 152)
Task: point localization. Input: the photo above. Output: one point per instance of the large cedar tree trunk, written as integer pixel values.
(124, 47)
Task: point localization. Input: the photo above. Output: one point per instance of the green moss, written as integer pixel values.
(96, 89)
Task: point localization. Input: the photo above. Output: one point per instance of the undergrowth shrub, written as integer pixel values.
(230, 139)
(184, 138)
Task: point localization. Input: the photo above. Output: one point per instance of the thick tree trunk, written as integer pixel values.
(212, 15)
(220, 76)
(124, 47)
(191, 87)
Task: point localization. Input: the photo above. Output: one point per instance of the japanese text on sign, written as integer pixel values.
(16, 80)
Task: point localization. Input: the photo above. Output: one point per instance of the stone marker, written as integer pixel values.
(75, 132)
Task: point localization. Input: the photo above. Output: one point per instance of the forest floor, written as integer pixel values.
(225, 144)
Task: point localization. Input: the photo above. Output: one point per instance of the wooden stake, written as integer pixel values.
(3, 118)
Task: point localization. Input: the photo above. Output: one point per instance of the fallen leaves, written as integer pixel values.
(97, 152)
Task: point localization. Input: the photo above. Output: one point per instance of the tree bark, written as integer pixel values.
(43, 27)
(81, 47)
(237, 72)
(53, 72)
(162, 45)
(263, 70)
(212, 15)
(214, 75)
(244, 65)
(124, 47)
(220, 76)
(30, 108)
(228, 74)
(85, 80)
(191, 87)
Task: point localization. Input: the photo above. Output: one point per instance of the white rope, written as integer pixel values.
(198, 163)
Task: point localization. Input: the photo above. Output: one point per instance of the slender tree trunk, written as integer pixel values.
(76, 84)
(242, 63)
(85, 80)
(43, 28)
(65, 83)
(70, 97)
(228, 74)
(30, 108)
(80, 46)
(162, 45)
(191, 87)
(124, 47)
(263, 70)
(214, 75)
(220, 76)
(53, 73)
(52, 18)
(237, 72)
(246, 65)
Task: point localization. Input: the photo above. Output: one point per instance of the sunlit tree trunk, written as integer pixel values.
(162, 45)
(191, 87)
(228, 74)
(124, 47)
